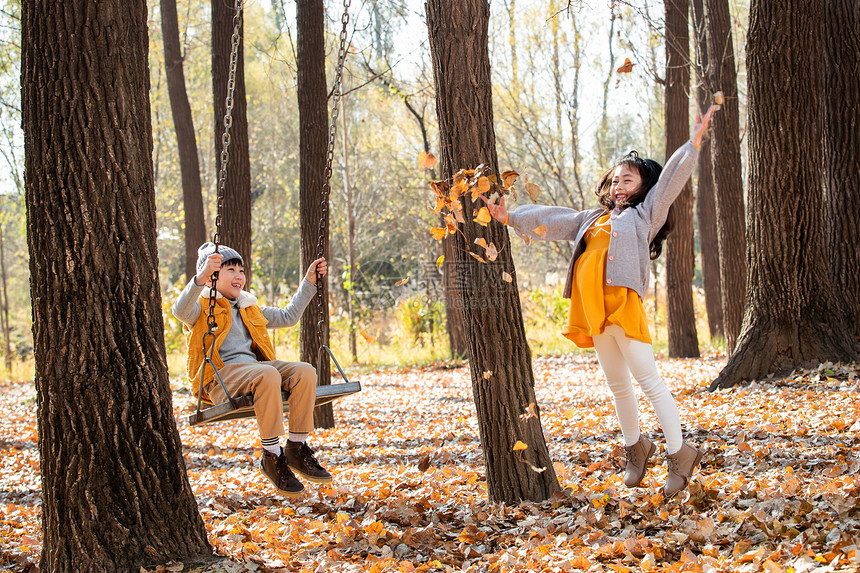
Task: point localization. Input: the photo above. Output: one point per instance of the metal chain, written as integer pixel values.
(225, 158)
(337, 93)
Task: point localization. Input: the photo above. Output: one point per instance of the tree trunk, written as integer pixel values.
(350, 236)
(842, 150)
(4, 319)
(728, 181)
(313, 138)
(186, 140)
(793, 317)
(236, 227)
(115, 495)
(706, 209)
(680, 258)
(603, 151)
(499, 355)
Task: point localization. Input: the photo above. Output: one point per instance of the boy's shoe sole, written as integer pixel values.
(310, 478)
(283, 492)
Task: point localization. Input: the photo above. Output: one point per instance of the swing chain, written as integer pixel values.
(337, 94)
(225, 158)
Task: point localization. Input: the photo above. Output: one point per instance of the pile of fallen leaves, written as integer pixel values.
(777, 489)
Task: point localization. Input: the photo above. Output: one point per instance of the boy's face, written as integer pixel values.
(231, 279)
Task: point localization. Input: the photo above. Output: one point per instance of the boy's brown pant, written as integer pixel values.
(265, 380)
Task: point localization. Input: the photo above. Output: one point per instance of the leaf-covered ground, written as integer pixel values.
(777, 491)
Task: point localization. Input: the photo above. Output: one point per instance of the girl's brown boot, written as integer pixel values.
(681, 466)
(637, 460)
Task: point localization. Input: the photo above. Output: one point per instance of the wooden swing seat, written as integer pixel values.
(245, 404)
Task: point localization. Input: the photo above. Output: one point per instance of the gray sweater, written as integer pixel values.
(632, 229)
(236, 347)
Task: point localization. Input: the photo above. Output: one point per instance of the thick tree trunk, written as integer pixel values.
(706, 209)
(728, 179)
(115, 494)
(236, 225)
(313, 138)
(680, 258)
(793, 317)
(842, 150)
(186, 140)
(457, 337)
(499, 355)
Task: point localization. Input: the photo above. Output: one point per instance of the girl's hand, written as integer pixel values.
(498, 212)
(318, 266)
(213, 263)
(701, 126)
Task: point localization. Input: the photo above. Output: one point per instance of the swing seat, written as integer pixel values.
(245, 404)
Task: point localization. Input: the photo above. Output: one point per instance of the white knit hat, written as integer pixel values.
(207, 249)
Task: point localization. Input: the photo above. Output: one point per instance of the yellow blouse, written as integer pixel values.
(594, 305)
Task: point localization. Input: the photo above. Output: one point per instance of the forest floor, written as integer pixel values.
(778, 488)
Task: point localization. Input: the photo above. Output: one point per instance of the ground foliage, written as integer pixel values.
(777, 490)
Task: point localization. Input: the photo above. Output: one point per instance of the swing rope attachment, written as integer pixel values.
(209, 335)
(337, 94)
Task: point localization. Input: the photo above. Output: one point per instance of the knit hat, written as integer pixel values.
(207, 249)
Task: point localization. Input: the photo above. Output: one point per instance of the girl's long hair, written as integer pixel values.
(649, 170)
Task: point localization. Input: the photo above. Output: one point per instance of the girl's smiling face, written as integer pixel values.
(626, 181)
(231, 279)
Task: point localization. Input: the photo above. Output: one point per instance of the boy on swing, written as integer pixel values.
(245, 358)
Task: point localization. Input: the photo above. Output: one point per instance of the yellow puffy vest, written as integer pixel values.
(254, 321)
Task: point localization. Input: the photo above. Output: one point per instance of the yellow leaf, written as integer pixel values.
(520, 446)
(533, 190)
(458, 189)
(626, 67)
(531, 412)
(477, 257)
(440, 260)
(481, 242)
(492, 252)
(367, 338)
(527, 239)
(483, 217)
(426, 160)
(483, 184)
(537, 469)
(719, 98)
(509, 177)
(439, 233)
(540, 231)
(507, 277)
(487, 374)
(402, 282)
(580, 562)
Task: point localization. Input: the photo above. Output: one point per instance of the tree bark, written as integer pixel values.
(499, 355)
(680, 258)
(186, 140)
(793, 317)
(842, 150)
(313, 138)
(115, 495)
(236, 227)
(706, 209)
(728, 181)
(350, 236)
(4, 319)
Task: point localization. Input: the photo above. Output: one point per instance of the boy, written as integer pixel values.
(245, 359)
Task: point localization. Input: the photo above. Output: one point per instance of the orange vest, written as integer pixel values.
(254, 321)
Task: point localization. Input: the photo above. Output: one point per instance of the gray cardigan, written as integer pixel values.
(627, 262)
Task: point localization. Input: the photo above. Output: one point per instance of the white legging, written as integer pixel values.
(619, 357)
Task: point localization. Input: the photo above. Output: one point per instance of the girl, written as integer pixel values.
(607, 278)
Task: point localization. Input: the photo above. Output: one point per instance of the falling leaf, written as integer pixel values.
(487, 374)
(483, 184)
(507, 277)
(531, 412)
(626, 67)
(477, 257)
(481, 242)
(537, 469)
(719, 98)
(426, 160)
(527, 239)
(440, 260)
(367, 338)
(508, 178)
(520, 446)
(533, 190)
(402, 282)
(540, 231)
(492, 252)
(439, 233)
(483, 217)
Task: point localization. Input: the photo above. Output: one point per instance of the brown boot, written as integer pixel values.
(681, 466)
(637, 461)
